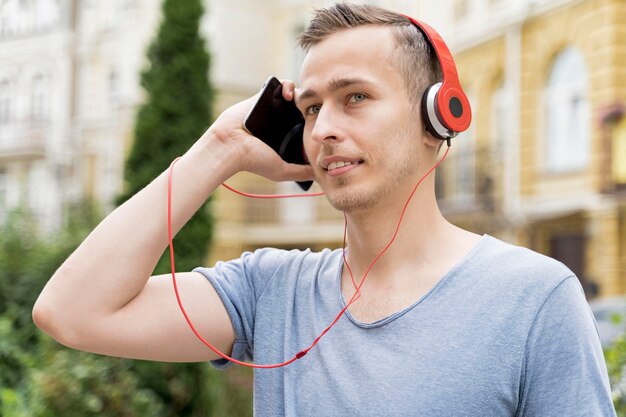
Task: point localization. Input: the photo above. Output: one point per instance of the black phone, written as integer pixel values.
(279, 124)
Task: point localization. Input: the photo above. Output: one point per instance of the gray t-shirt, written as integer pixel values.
(506, 332)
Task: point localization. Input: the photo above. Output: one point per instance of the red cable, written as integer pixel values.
(236, 191)
(355, 296)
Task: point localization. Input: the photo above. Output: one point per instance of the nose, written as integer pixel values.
(326, 125)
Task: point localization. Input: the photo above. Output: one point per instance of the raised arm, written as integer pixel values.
(102, 299)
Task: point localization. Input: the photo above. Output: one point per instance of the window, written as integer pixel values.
(567, 112)
(11, 16)
(114, 88)
(500, 113)
(23, 16)
(466, 160)
(107, 14)
(466, 172)
(5, 100)
(47, 13)
(618, 151)
(456, 178)
(39, 98)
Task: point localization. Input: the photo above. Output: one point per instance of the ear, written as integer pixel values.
(430, 141)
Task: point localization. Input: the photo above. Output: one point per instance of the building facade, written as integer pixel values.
(69, 90)
(547, 143)
(69, 87)
(35, 66)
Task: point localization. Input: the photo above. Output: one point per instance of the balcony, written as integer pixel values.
(470, 188)
(23, 140)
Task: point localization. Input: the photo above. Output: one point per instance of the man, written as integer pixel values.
(448, 323)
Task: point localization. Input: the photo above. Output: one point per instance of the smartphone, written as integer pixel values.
(279, 124)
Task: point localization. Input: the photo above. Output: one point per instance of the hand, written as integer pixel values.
(252, 154)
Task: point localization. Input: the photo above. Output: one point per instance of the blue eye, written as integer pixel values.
(356, 97)
(312, 110)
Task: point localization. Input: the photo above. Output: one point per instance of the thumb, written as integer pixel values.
(294, 172)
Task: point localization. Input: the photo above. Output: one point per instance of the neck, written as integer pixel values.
(419, 236)
(409, 262)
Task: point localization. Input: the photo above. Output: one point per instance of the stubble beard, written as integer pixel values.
(403, 167)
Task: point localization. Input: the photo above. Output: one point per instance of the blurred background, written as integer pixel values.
(95, 94)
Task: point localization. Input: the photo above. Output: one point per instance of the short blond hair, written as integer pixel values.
(415, 57)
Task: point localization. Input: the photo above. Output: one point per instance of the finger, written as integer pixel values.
(288, 89)
(294, 172)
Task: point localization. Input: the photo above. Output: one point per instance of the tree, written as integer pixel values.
(177, 110)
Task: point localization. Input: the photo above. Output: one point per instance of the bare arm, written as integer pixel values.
(102, 299)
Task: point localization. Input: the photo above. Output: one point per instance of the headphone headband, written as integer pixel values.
(450, 104)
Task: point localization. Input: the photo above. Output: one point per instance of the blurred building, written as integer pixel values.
(69, 87)
(34, 132)
(543, 163)
(540, 165)
(69, 90)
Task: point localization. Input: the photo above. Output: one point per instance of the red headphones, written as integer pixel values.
(446, 110)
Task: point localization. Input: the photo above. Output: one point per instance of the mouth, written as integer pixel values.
(338, 165)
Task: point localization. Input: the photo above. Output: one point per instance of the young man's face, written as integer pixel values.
(361, 133)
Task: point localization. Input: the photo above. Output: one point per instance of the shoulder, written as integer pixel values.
(510, 280)
(516, 264)
(549, 327)
(520, 258)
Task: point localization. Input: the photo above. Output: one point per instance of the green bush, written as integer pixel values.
(55, 381)
(41, 378)
(38, 377)
(615, 356)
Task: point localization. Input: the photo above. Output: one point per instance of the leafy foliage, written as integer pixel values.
(615, 356)
(40, 378)
(37, 376)
(62, 382)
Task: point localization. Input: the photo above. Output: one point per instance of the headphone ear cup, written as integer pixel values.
(445, 108)
(429, 113)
